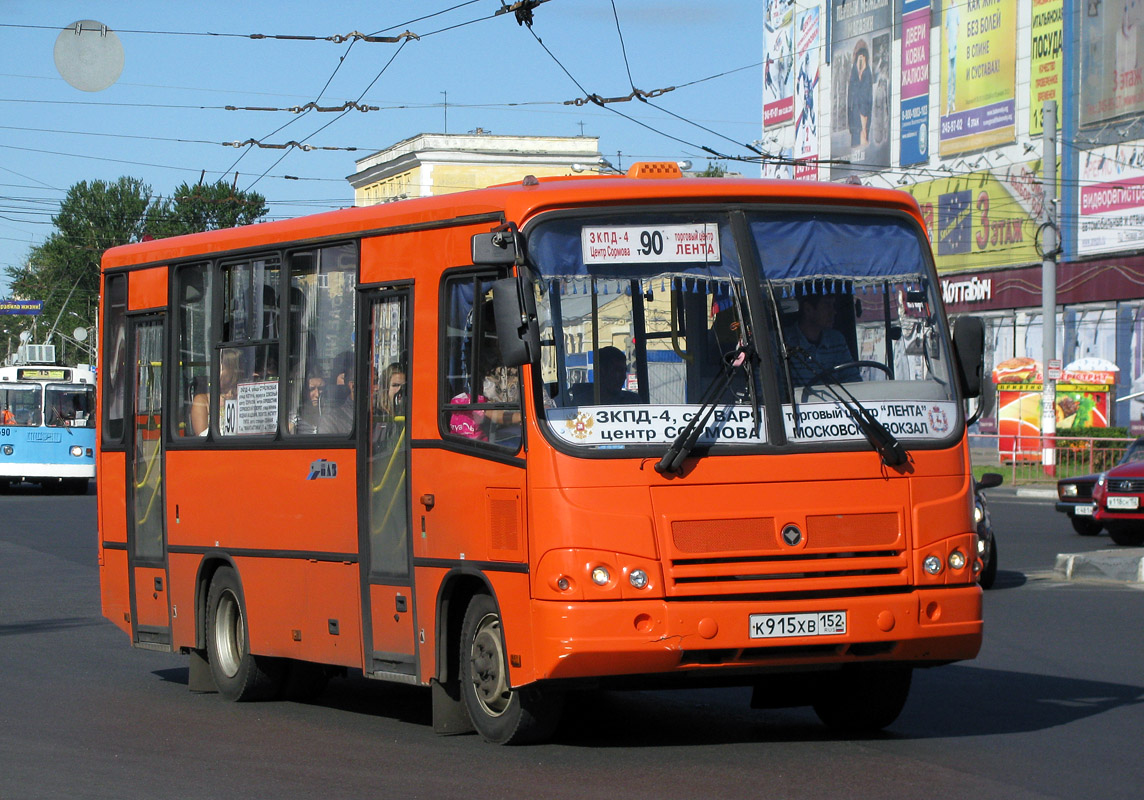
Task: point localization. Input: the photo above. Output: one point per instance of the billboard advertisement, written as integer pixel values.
(978, 75)
(807, 42)
(861, 85)
(778, 63)
(915, 82)
(1111, 198)
(1046, 77)
(1112, 39)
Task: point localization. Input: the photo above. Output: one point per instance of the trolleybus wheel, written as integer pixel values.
(861, 699)
(501, 714)
(237, 673)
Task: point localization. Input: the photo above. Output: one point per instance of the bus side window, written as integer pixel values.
(482, 395)
(247, 367)
(115, 347)
(193, 290)
(323, 306)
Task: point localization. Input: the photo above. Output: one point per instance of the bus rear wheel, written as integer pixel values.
(862, 699)
(501, 714)
(238, 674)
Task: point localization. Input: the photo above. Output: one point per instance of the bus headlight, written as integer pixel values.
(956, 560)
(637, 578)
(601, 576)
(932, 565)
(76, 451)
(8, 450)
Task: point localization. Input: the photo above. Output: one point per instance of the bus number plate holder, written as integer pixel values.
(781, 626)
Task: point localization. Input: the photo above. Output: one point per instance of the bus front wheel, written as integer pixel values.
(501, 714)
(862, 699)
(237, 673)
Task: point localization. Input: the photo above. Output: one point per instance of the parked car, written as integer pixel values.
(1075, 498)
(1119, 500)
(986, 542)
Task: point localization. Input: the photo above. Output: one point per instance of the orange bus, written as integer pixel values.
(561, 434)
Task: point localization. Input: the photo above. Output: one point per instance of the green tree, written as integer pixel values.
(63, 272)
(204, 207)
(714, 170)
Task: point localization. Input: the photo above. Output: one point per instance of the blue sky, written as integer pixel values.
(164, 119)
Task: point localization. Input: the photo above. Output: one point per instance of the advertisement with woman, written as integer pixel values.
(860, 94)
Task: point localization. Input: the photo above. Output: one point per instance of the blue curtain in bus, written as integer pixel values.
(859, 248)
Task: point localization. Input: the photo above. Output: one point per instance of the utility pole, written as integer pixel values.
(1050, 364)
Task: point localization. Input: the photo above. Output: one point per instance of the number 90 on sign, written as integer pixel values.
(783, 626)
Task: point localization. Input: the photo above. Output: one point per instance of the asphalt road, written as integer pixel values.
(1051, 708)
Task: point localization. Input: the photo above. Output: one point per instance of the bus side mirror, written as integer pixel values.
(518, 333)
(969, 349)
(494, 248)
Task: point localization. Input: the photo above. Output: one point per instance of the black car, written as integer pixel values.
(1074, 495)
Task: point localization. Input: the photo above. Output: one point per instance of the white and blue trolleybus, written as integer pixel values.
(47, 426)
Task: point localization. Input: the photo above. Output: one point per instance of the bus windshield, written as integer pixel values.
(70, 405)
(645, 315)
(20, 405)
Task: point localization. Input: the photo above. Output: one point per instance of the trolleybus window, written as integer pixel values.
(20, 405)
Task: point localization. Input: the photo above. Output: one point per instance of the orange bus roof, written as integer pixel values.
(516, 202)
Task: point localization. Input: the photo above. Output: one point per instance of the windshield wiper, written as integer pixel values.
(684, 443)
(892, 451)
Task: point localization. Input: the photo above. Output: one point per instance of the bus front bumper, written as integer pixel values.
(601, 639)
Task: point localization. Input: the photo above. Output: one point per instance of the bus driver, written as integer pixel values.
(816, 347)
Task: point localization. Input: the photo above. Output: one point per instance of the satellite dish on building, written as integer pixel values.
(89, 55)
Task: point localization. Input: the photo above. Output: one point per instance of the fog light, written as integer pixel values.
(7, 449)
(563, 584)
(600, 576)
(956, 560)
(638, 579)
(932, 565)
(76, 450)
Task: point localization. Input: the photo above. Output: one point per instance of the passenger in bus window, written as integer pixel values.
(7, 417)
(309, 417)
(500, 384)
(228, 390)
(340, 417)
(611, 374)
(816, 346)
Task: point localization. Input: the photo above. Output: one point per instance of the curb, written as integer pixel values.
(1124, 566)
(1045, 494)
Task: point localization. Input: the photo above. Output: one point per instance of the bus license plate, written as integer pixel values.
(1083, 511)
(778, 626)
(1124, 502)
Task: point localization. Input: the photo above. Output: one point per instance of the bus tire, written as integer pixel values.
(862, 699)
(239, 675)
(76, 486)
(501, 714)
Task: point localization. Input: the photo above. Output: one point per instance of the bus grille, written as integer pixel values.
(839, 553)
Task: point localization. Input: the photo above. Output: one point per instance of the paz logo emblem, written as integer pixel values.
(792, 535)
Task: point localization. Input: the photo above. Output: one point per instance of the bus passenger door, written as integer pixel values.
(383, 489)
(146, 529)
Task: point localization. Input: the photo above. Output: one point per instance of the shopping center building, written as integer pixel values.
(944, 99)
